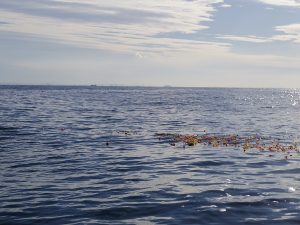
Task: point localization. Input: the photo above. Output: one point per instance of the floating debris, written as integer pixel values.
(245, 143)
(233, 140)
(126, 132)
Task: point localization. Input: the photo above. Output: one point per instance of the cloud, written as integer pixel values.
(287, 33)
(291, 33)
(125, 26)
(139, 28)
(281, 2)
(81, 12)
(250, 38)
(226, 6)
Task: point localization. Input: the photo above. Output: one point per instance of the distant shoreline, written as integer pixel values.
(137, 86)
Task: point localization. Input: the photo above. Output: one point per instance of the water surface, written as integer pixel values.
(56, 167)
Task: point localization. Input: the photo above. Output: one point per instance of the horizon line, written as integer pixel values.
(144, 86)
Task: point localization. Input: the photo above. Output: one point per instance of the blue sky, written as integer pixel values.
(215, 43)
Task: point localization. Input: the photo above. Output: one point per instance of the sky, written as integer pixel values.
(191, 43)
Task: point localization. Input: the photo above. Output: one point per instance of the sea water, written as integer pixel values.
(89, 155)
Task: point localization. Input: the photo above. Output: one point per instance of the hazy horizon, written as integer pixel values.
(142, 86)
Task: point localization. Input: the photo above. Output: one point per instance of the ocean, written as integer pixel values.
(97, 155)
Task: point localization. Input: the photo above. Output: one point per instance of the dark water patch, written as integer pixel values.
(257, 164)
(8, 132)
(75, 178)
(24, 133)
(65, 170)
(294, 171)
(67, 161)
(56, 157)
(275, 222)
(113, 181)
(188, 179)
(213, 193)
(136, 180)
(134, 211)
(211, 171)
(278, 203)
(130, 168)
(212, 163)
(135, 198)
(24, 165)
(8, 128)
(134, 163)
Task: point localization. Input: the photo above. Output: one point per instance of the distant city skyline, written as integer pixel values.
(201, 43)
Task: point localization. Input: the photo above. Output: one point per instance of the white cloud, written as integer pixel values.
(291, 33)
(250, 38)
(126, 26)
(226, 6)
(282, 2)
